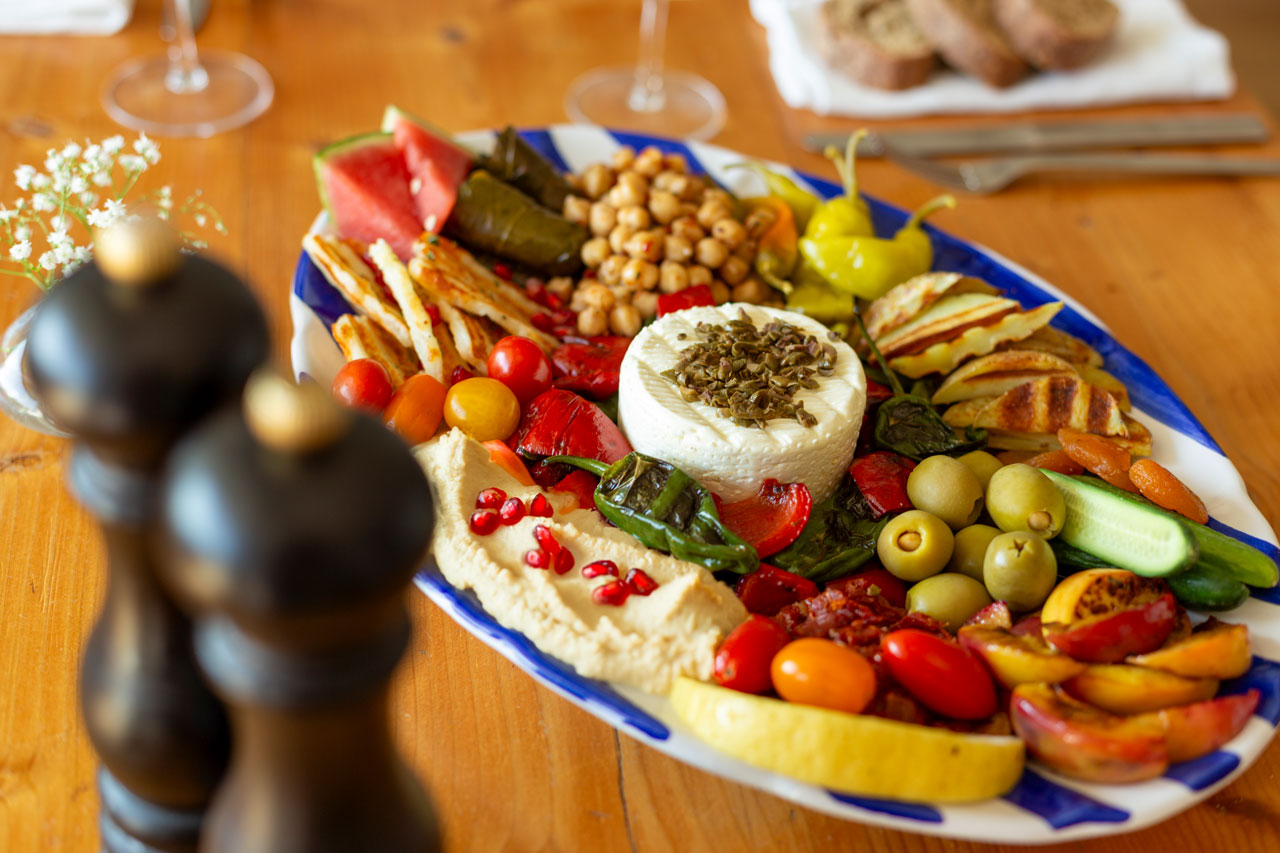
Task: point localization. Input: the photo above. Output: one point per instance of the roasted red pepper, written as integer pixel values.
(691, 297)
(769, 589)
(772, 518)
(589, 366)
(877, 393)
(559, 422)
(873, 581)
(882, 479)
(582, 485)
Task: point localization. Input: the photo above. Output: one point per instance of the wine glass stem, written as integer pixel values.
(186, 75)
(648, 95)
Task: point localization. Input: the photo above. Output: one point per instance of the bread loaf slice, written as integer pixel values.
(965, 32)
(1057, 34)
(876, 42)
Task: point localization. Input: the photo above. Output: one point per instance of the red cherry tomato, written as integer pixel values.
(522, 366)
(942, 675)
(742, 663)
(364, 385)
(415, 410)
(815, 671)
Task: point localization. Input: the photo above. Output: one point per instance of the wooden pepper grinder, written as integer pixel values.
(291, 530)
(127, 354)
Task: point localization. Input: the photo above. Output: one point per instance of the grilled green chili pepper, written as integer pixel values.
(802, 202)
(666, 509)
(845, 215)
(869, 267)
(839, 538)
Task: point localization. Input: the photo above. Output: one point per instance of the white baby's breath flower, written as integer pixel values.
(59, 237)
(88, 198)
(53, 163)
(102, 179)
(44, 202)
(65, 253)
(20, 251)
(77, 185)
(81, 254)
(49, 261)
(40, 181)
(6, 214)
(23, 176)
(147, 149)
(113, 145)
(201, 220)
(21, 232)
(132, 163)
(91, 156)
(109, 214)
(71, 151)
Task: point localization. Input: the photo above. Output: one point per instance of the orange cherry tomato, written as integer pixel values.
(814, 671)
(501, 454)
(483, 408)
(415, 409)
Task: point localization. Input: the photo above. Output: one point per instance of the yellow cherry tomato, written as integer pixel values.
(483, 408)
(814, 671)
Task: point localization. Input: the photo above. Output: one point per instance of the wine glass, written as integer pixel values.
(187, 93)
(648, 98)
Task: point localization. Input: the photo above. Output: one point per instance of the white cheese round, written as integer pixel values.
(729, 459)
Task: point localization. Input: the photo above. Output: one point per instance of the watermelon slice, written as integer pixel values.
(437, 166)
(364, 185)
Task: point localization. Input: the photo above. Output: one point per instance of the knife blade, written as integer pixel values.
(1033, 137)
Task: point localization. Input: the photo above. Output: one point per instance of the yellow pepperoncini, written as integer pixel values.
(868, 267)
(801, 202)
(845, 215)
(776, 251)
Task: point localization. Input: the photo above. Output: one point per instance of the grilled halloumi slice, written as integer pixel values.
(909, 299)
(1062, 344)
(451, 275)
(412, 306)
(360, 337)
(1137, 442)
(964, 413)
(974, 341)
(342, 266)
(1099, 378)
(471, 338)
(1050, 403)
(992, 375)
(943, 321)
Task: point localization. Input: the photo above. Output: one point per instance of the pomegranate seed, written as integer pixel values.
(600, 568)
(434, 313)
(564, 317)
(512, 510)
(490, 499)
(563, 561)
(613, 593)
(483, 522)
(537, 558)
(536, 290)
(554, 302)
(502, 271)
(540, 507)
(547, 539)
(563, 332)
(639, 582)
(459, 373)
(542, 321)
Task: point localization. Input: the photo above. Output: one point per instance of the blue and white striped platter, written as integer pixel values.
(1044, 807)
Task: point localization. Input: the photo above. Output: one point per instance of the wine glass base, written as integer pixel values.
(235, 91)
(691, 106)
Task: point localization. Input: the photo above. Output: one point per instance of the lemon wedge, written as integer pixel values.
(847, 752)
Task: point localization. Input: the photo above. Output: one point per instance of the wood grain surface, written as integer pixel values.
(1185, 272)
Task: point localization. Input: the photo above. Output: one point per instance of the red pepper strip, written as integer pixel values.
(877, 393)
(590, 366)
(882, 479)
(772, 518)
(559, 422)
(769, 589)
(873, 581)
(581, 484)
(691, 297)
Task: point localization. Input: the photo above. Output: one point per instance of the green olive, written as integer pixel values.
(950, 598)
(1020, 569)
(947, 488)
(983, 464)
(1020, 497)
(971, 549)
(915, 545)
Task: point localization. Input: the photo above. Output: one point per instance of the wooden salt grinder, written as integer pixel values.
(127, 353)
(292, 531)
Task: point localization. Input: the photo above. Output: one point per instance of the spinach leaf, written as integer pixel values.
(911, 426)
(839, 538)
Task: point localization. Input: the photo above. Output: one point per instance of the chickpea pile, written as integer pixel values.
(655, 229)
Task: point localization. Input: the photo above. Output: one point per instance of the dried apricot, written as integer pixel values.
(1009, 457)
(1098, 455)
(1057, 460)
(1159, 485)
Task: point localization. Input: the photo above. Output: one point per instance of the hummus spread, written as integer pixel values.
(646, 642)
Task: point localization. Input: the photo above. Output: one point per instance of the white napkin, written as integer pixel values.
(1158, 54)
(74, 17)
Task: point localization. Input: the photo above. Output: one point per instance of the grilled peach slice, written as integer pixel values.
(1124, 689)
(1084, 743)
(994, 615)
(1018, 659)
(1191, 731)
(1213, 650)
(1097, 592)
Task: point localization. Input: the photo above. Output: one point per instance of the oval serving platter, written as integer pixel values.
(1044, 807)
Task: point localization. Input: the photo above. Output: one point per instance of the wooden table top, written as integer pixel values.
(1183, 271)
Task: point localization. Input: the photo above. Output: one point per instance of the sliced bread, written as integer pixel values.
(876, 42)
(1057, 34)
(967, 36)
